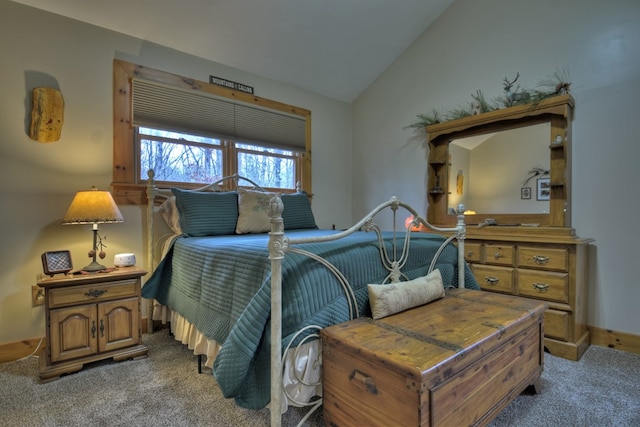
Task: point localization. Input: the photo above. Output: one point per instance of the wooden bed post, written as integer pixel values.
(277, 247)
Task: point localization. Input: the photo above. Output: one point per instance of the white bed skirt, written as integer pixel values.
(302, 372)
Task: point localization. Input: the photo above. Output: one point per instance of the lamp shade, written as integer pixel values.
(92, 207)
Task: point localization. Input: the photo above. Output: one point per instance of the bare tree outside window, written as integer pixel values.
(185, 158)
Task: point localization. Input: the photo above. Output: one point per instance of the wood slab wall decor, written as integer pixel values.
(47, 115)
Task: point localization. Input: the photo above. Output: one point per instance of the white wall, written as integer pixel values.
(38, 181)
(474, 45)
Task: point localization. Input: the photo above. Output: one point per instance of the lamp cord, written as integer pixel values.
(33, 352)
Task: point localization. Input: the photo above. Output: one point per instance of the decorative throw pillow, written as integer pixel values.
(253, 211)
(205, 213)
(393, 298)
(297, 212)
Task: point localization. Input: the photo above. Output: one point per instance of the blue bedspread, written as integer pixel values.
(222, 285)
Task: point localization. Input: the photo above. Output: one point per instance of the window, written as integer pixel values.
(178, 157)
(267, 167)
(191, 132)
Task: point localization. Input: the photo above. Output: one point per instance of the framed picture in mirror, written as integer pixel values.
(544, 189)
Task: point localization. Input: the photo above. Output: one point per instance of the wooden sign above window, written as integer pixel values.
(231, 85)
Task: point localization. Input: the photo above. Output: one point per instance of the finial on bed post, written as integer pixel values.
(277, 247)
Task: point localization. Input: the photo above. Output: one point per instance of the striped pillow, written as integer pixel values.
(297, 212)
(206, 213)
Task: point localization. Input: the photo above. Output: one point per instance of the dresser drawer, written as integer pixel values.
(499, 254)
(556, 324)
(544, 285)
(60, 297)
(545, 258)
(473, 252)
(492, 278)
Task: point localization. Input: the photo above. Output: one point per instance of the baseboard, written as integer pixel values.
(601, 337)
(19, 349)
(614, 339)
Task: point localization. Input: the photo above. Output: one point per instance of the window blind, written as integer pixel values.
(170, 108)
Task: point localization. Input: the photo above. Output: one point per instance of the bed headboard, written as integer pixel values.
(156, 196)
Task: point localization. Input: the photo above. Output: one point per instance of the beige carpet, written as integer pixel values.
(602, 389)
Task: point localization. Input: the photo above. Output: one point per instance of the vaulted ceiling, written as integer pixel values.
(335, 48)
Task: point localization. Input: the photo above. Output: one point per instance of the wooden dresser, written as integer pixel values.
(548, 264)
(91, 317)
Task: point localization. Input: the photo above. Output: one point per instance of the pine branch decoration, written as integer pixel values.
(557, 84)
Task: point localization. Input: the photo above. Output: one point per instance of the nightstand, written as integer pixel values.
(91, 317)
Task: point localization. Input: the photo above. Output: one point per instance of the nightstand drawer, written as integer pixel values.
(544, 285)
(492, 278)
(546, 258)
(499, 254)
(61, 297)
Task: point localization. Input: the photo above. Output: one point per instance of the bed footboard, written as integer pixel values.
(280, 244)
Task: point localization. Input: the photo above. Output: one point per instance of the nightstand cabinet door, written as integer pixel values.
(73, 332)
(118, 323)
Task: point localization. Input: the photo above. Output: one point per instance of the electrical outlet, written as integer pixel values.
(37, 295)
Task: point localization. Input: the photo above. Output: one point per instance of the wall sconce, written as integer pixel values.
(93, 207)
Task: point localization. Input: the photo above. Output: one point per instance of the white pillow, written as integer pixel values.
(392, 298)
(253, 211)
(171, 215)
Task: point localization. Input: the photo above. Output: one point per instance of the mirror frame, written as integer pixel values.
(556, 110)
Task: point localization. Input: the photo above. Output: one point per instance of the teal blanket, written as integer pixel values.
(222, 285)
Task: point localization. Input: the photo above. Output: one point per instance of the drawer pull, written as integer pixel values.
(540, 260)
(469, 254)
(540, 287)
(102, 328)
(95, 293)
(491, 280)
(497, 255)
(93, 329)
(364, 380)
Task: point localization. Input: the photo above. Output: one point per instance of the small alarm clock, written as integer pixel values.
(124, 260)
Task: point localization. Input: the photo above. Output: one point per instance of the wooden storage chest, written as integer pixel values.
(454, 362)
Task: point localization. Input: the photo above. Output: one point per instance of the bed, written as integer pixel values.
(246, 277)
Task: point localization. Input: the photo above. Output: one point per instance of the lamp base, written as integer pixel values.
(94, 267)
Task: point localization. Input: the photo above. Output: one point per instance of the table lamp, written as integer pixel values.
(93, 207)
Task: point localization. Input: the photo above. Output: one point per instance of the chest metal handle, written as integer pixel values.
(363, 380)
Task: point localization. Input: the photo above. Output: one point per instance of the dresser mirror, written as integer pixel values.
(510, 165)
(498, 172)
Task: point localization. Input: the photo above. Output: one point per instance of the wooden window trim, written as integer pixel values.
(126, 186)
